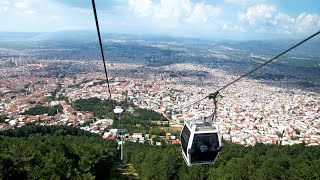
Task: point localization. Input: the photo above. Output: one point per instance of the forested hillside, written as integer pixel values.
(34, 152)
(235, 162)
(39, 152)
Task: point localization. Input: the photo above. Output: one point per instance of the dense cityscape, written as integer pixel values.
(253, 110)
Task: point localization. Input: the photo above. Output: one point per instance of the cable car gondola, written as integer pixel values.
(200, 142)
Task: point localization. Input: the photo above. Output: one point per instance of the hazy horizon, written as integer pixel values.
(159, 35)
(219, 19)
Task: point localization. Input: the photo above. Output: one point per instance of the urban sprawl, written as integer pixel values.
(249, 111)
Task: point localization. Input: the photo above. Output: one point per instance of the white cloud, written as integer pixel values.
(82, 10)
(267, 18)
(55, 17)
(5, 9)
(307, 22)
(201, 13)
(259, 15)
(31, 12)
(284, 18)
(26, 7)
(4, 5)
(38, 15)
(172, 9)
(172, 13)
(233, 28)
(141, 8)
(245, 3)
(21, 4)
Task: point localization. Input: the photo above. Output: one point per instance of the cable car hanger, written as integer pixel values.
(215, 102)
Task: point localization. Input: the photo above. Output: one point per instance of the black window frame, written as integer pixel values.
(185, 137)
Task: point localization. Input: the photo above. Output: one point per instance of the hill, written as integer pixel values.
(50, 152)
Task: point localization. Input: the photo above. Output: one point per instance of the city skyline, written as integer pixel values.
(220, 19)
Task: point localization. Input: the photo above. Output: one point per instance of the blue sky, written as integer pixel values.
(227, 19)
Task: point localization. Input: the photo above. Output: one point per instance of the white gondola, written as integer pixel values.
(200, 142)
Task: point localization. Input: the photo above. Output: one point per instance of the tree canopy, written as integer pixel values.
(235, 162)
(2, 118)
(39, 110)
(140, 120)
(53, 153)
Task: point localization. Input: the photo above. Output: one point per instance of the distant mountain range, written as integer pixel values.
(152, 49)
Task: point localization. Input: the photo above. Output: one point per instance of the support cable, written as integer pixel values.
(100, 42)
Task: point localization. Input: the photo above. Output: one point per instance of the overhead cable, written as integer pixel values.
(101, 47)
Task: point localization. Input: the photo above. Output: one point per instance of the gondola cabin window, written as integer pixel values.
(185, 136)
(204, 148)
